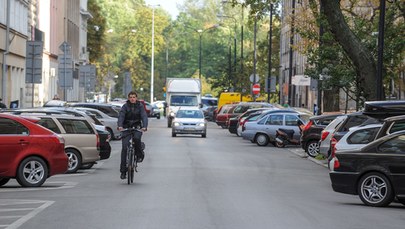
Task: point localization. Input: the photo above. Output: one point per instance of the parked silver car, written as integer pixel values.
(81, 139)
(110, 123)
(263, 131)
(326, 135)
(189, 120)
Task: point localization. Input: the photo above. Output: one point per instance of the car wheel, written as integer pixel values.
(312, 148)
(32, 172)
(375, 190)
(158, 117)
(4, 180)
(87, 166)
(173, 135)
(262, 140)
(204, 135)
(74, 160)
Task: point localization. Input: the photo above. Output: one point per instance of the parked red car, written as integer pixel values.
(29, 152)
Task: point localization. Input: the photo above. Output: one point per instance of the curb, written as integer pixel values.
(301, 154)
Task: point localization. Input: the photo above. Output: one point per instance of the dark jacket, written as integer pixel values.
(133, 115)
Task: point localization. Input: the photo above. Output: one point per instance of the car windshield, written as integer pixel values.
(183, 100)
(189, 114)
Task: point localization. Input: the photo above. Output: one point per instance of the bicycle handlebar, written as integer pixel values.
(133, 128)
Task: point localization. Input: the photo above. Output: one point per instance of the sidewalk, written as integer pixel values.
(301, 153)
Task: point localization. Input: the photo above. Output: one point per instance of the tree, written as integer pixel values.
(95, 32)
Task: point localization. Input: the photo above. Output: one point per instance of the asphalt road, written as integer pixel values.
(191, 182)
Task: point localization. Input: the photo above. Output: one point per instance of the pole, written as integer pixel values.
(5, 53)
(199, 57)
(234, 59)
(290, 88)
(64, 71)
(241, 40)
(269, 60)
(254, 58)
(32, 74)
(321, 32)
(380, 94)
(153, 50)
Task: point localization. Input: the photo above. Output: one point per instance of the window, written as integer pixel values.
(76, 126)
(291, 120)
(364, 136)
(9, 126)
(395, 145)
(397, 126)
(49, 124)
(354, 121)
(325, 121)
(275, 120)
(183, 100)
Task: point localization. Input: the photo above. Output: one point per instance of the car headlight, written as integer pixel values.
(176, 124)
(201, 124)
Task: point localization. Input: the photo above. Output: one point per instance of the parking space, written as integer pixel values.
(13, 213)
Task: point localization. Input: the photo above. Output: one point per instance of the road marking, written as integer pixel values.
(51, 185)
(24, 218)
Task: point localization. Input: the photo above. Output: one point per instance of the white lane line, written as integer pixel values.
(16, 209)
(10, 216)
(57, 184)
(30, 215)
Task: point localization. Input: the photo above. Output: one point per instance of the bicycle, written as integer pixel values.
(132, 159)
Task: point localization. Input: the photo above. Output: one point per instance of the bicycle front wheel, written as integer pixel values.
(130, 167)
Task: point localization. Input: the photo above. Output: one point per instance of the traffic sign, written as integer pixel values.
(253, 78)
(256, 89)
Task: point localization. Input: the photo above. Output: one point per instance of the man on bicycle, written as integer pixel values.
(132, 114)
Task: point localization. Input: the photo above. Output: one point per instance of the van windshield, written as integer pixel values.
(183, 100)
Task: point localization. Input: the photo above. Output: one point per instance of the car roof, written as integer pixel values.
(395, 118)
(355, 128)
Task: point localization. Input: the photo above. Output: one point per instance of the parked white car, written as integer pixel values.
(357, 137)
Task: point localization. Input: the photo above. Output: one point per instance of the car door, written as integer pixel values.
(82, 136)
(14, 140)
(291, 122)
(273, 123)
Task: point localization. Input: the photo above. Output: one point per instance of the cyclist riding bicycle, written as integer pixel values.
(132, 114)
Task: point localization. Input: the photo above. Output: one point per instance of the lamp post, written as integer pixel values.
(200, 33)
(241, 33)
(234, 48)
(254, 58)
(153, 52)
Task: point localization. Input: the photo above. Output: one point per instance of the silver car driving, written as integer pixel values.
(189, 120)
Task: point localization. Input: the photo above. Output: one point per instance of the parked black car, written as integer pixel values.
(376, 172)
(311, 134)
(105, 147)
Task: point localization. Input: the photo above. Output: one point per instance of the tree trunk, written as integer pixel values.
(361, 57)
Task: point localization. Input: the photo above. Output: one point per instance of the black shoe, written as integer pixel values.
(123, 176)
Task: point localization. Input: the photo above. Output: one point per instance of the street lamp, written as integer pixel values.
(234, 48)
(200, 33)
(241, 32)
(153, 52)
